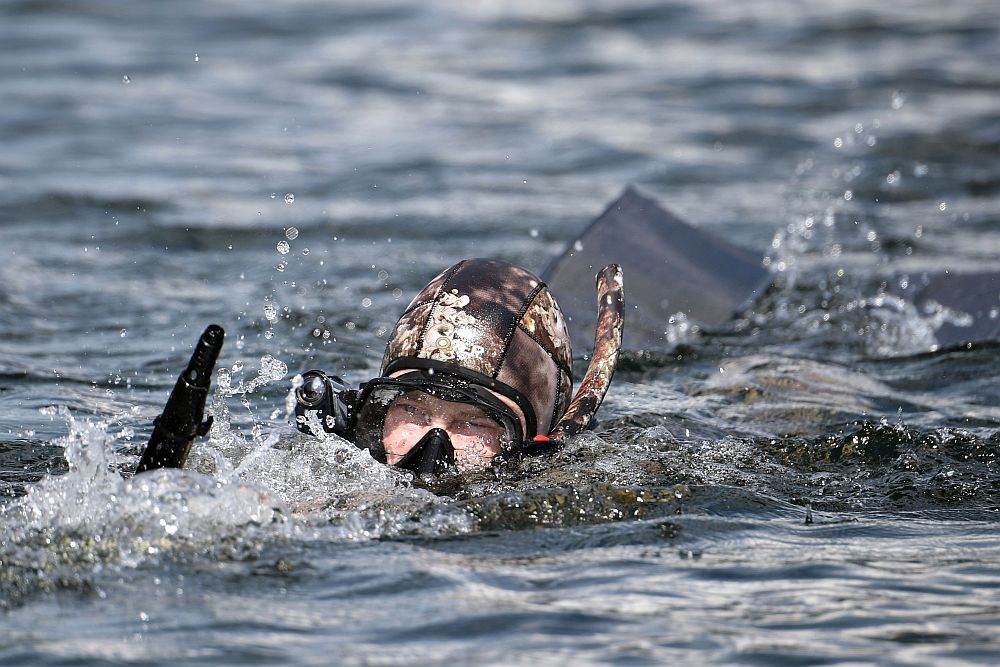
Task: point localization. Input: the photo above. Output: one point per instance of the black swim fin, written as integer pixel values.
(671, 268)
(181, 422)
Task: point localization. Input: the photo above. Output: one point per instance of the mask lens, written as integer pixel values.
(395, 416)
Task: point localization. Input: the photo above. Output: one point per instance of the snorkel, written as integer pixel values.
(607, 346)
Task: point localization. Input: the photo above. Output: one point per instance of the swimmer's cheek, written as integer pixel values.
(399, 440)
(473, 453)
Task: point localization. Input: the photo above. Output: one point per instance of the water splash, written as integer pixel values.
(791, 244)
(680, 328)
(324, 480)
(67, 530)
(897, 327)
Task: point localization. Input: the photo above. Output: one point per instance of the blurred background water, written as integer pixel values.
(815, 484)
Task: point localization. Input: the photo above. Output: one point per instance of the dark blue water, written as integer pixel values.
(816, 483)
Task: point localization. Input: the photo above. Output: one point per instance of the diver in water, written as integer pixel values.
(479, 364)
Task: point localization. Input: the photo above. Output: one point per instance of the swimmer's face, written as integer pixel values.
(476, 437)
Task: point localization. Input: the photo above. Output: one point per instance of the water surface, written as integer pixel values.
(816, 483)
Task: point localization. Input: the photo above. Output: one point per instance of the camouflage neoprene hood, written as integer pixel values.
(494, 324)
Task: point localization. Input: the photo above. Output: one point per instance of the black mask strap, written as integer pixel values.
(431, 454)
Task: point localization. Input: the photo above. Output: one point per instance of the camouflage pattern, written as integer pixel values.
(498, 320)
(607, 345)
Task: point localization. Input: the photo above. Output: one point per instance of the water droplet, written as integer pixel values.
(897, 99)
(305, 251)
(126, 80)
(268, 334)
(366, 302)
(196, 58)
(578, 246)
(274, 195)
(848, 195)
(291, 233)
(283, 247)
(281, 266)
(838, 142)
(383, 275)
(397, 293)
(942, 206)
(123, 333)
(289, 198)
(534, 233)
(270, 312)
(143, 616)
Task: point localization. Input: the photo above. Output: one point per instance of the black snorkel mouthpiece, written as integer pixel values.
(432, 454)
(181, 422)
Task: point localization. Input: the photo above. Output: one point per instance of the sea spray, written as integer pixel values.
(330, 481)
(323, 480)
(68, 528)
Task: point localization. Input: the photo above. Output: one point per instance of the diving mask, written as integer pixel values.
(394, 415)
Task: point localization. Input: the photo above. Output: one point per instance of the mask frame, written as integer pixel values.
(379, 394)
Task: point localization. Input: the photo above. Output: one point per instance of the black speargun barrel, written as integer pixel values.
(181, 422)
